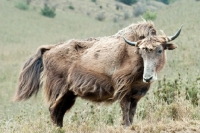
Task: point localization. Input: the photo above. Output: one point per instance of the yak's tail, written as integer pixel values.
(29, 79)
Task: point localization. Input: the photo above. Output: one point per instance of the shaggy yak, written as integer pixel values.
(118, 67)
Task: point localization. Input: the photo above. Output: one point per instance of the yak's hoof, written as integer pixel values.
(126, 125)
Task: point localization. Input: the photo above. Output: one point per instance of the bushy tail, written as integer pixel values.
(29, 79)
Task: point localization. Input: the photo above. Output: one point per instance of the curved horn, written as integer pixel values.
(129, 42)
(176, 35)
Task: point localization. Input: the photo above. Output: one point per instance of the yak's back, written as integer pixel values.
(69, 51)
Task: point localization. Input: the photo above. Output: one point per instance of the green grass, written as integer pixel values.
(21, 32)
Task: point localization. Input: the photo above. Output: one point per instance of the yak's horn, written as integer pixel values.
(129, 42)
(176, 35)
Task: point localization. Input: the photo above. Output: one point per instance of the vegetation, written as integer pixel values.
(128, 2)
(139, 10)
(22, 5)
(126, 15)
(149, 15)
(166, 1)
(48, 12)
(94, 1)
(71, 7)
(28, 2)
(101, 16)
(169, 90)
(171, 105)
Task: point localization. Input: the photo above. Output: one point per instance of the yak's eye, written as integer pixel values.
(160, 51)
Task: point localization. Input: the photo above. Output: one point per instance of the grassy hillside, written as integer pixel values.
(172, 105)
(109, 9)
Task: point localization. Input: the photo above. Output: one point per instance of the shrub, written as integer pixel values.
(126, 16)
(28, 2)
(71, 7)
(128, 2)
(22, 6)
(94, 1)
(148, 15)
(118, 6)
(101, 16)
(139, 10)
(116, 19)
(48, 12)
(88, 13)
(168, 90)
(166, 1)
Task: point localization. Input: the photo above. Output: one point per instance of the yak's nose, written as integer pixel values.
(148, 79)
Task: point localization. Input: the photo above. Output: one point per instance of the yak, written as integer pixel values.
(120, 67)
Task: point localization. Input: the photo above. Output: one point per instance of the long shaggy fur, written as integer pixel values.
(98, 69)
(56, 76)
(134, 32)
(29, 79)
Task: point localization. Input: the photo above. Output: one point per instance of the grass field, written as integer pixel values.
(172, 104)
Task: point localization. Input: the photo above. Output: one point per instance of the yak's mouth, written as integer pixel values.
(149, 78)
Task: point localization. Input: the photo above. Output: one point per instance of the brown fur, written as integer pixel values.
(138, 31)
(29, 79)
(98, 69)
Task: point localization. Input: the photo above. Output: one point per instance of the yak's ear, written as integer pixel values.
(169, 46)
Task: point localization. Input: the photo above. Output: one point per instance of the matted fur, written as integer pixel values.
(151, 42)
(134, 32)
(103, 69)
(29, 79)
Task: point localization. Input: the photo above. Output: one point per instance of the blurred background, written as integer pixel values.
(172, 104)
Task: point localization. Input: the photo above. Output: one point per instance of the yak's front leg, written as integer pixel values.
(125, 106)
(132, 110)
(136, 96)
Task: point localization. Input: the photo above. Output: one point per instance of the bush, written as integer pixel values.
(128, 2)
(126, 16)
(148, 15)
(94, 1)
(101, 16)
(22, 6)
(116, 19)
(139, 10)
(48, 12)
(166, 1)
(28, 2)
(118, 6)
(71, 7)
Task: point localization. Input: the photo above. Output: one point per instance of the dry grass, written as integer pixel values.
(168, 107)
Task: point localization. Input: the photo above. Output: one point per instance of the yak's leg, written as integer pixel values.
(132, 109)
(125, 106)
(136, 96)
(58, 109)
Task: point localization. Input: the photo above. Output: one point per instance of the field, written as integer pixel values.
(172, 104)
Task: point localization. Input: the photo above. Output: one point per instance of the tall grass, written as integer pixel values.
(171, 105)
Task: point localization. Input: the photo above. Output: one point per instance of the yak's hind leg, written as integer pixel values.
(58, 109)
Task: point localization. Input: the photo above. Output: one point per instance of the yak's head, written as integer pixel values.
(152, 50)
